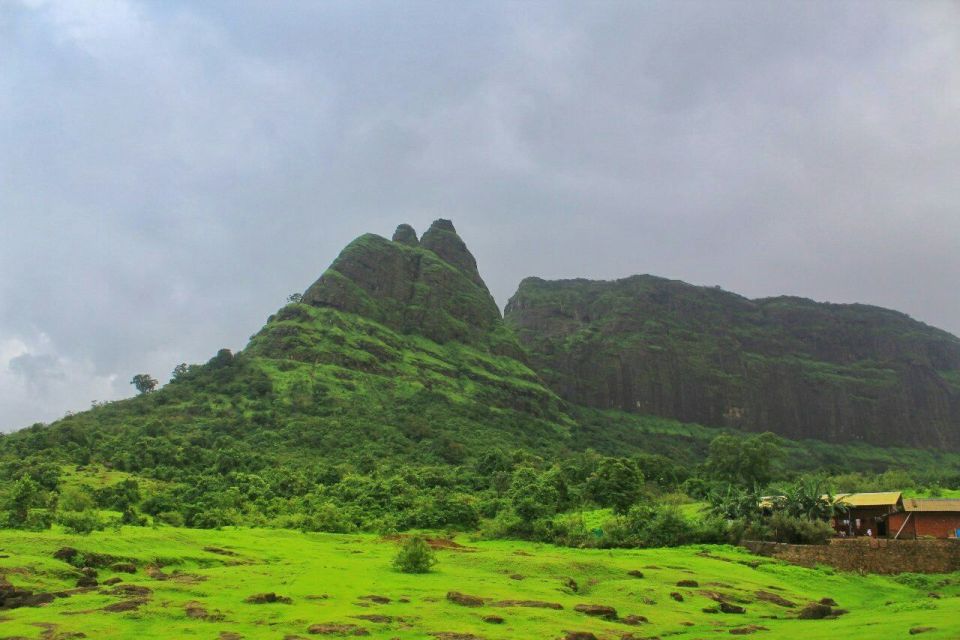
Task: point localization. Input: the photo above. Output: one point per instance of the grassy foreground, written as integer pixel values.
(198, 581)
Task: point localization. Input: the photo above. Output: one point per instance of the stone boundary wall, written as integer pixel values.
(866, 555)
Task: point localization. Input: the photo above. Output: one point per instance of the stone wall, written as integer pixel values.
(866, 555)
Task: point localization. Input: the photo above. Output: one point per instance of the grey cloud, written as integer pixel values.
(170, 171)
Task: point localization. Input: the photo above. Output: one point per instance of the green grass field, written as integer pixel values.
(198, 581)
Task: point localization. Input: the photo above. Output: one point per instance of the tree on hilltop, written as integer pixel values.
(144, 383)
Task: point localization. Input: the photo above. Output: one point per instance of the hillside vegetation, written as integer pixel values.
(391, 395)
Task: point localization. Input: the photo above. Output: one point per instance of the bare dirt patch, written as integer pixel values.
(597, 611)
(774, 598)
(125, 605)
(536, 604)
(464, 600)
(337, 629)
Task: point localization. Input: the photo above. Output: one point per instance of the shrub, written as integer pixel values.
(82, 522)
(172, 518)
(414, 557)
(784, 528)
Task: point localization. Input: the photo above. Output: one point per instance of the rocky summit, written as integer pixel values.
(841, 373)
(430, 287)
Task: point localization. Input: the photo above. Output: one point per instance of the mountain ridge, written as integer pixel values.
(794, 366)
(401, 333)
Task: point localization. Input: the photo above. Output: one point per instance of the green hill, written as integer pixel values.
(392, 394)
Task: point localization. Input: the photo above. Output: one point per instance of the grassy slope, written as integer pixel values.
(348, 567)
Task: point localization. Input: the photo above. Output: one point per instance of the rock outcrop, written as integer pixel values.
(841, 373)
(431, 288)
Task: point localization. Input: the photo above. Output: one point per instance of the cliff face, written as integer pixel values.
(802, 369)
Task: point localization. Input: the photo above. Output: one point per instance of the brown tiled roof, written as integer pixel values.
(931, 504)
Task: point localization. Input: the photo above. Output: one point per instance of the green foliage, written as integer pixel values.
(746, 462)
(144, 383)
(415, 556)
(786, 528)
(732, 502)
(76, 498)
(809, 498)
(81, 522)
(616, 483)
(22, 496)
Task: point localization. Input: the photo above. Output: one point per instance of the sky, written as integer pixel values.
(170, 171)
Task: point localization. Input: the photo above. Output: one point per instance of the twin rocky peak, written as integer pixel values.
(429, 286)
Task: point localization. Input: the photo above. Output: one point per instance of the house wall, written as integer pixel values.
(934, 524)
(909, 531)
(939, 524)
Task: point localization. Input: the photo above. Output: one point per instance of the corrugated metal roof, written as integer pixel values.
(882, 499)
(931, 504)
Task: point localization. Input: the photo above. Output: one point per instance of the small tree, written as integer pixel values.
(144, 383)
(744, 461)
(179, 371)
(295, 298)
(809, 498)
(616, 483)
(23, 495)
(414, 557)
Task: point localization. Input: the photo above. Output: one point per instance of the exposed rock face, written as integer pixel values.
(406, 235)
(433, 289)
(800, 368)
(442, 239)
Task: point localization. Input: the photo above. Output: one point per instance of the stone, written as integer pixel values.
(405, 234)
(815, 611)
(267, 598)
(597, 610)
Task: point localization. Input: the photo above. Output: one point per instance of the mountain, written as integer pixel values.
(397, 351)
(398, 354)
(840, 373)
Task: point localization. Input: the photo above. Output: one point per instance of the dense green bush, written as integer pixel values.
(786, 528)
(415, 556)
(81, 522)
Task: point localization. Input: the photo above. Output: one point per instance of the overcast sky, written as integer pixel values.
(171, 171)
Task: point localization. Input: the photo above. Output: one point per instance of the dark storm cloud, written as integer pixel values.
(170, 171)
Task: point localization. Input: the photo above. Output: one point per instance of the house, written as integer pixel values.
(867, 513)
(926, 517)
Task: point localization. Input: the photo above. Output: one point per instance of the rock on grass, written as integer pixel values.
(597, 610)
(337, 629)
(267, 598)
(815, 611)
(537, 604)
